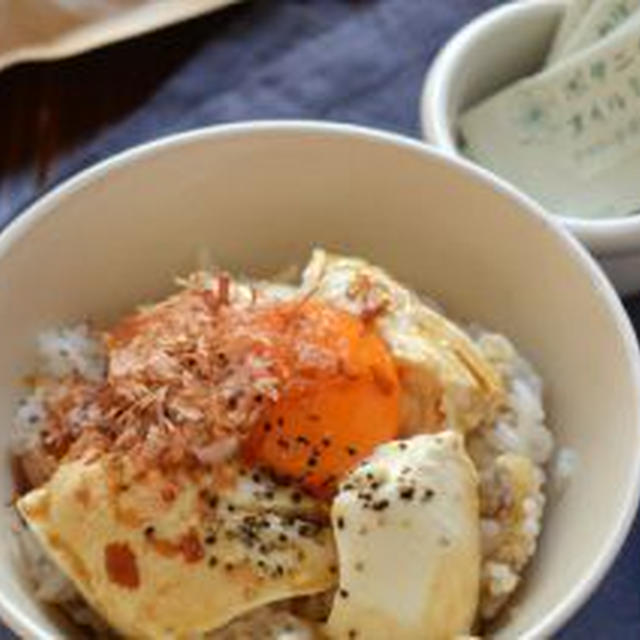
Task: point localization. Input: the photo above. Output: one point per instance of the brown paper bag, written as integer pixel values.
(48, 29)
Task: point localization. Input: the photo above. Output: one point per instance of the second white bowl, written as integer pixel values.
(500, 47)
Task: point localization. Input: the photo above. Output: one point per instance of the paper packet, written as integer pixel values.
(569, 136)
(46, 29)
(602, 18)
(575, 12)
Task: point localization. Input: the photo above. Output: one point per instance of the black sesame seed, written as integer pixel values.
(210, 539)
(258, 398)
(340, 522)
(228, 566)
(428, 494)
(407, 493)
(375, 485)
(256, 477)
(231, 508)
(267, 427)
(213, 561)
(279, 570)
(402, 446)
(333, 569)
(312, 461)
(283, 537)
(149, 531)
(232, 403)
(344, 593)
(359, 566)
(296, 496)
(280, 422)
(282, 443)
(326, 442)
(352, 451)
(353, 634)
(381, 505)
(303, 440)
(213, 502)
(269, 495)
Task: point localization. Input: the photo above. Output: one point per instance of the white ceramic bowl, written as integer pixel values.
(260, 196)
(499, 47)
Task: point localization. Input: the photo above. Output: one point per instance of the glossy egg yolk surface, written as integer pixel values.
(339, 393)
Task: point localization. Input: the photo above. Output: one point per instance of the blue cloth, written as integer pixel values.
(355, 61)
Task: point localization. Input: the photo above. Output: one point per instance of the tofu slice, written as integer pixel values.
(166, 559)
(446, 380)
(407, 530)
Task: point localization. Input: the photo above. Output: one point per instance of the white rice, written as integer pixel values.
(71, 350)
(28, 422)
(510, 455)
(61, 353)
(561, 468)
(520, 429)
(51, 585)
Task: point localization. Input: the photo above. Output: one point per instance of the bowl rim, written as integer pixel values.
(605, 236)
(558, 615)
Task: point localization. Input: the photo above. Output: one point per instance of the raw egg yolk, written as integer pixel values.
(339, 395)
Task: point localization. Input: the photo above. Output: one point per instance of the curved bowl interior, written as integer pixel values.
(259, 197)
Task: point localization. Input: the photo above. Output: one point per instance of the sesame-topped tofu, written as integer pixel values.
(446, 381)
(407, 530)
(162, 558)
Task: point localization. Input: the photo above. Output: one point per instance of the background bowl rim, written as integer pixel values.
(46, 205)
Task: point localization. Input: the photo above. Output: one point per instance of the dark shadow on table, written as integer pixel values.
(48, 109)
